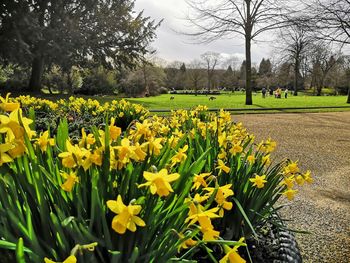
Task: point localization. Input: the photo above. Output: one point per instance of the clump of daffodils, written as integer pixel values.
(191, 173)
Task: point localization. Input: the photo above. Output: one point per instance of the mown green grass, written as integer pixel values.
(226, 101)
(237, 101)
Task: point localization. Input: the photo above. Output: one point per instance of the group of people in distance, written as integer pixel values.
(277, 92)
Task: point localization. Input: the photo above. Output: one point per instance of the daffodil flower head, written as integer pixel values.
(6, 105)
(4, 156)
(159, 182)
(180, 155)
(126, 217)
(43, 141)
(290, 194)
(199, 180)
(232, 255)
(186, 242)
(71, 179)
(222, 193)
(258, 181)
(222, 166)
(236, 148)
(114, 131)
(291, 168)
(307, 177)
(197, 212)
(206, 227)
(251, 159)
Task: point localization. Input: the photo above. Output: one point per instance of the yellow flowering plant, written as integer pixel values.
(161, 189)
(79, 112)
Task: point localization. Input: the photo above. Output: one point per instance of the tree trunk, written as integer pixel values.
(208, 82)
(248, 70)
(37, 72)
(195, 87)
(296, 76)
(319, 89)
(69, 83)
(348, 101)
(147, 93)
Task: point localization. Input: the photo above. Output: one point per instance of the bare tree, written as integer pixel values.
(332, 19)
(248, 18)
(195, 73)
(233, 62)
(294, 42)
(346, 65)
(211, 60)
(323, 60)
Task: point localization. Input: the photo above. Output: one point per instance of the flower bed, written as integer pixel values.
(190, 186)
(80, 113)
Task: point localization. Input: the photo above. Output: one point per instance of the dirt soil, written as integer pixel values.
(321, 143)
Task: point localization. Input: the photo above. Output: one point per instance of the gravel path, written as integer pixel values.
(321, 141)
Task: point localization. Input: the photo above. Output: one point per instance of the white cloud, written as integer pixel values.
(171, 45)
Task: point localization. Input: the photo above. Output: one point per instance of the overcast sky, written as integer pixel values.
(172, 46)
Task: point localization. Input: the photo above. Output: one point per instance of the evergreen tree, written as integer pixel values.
(37, 33)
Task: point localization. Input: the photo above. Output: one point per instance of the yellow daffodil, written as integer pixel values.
(291, 168)
(15, 125)
(307, 177)
(124, 150)
(222, 140)
(159, 182)
(290, 193)
(222, 155)
(126, 217)
(251, 159)
(86, 140)
(71, 179)
(300, 180)
(92, 158)
(223, 192)
(114, 131)
(199, 180)
(180, 155)
(187, 243)
(207, 229)
(266, 160)
(268, 146)
(288, 181)
(154, 146)
(258, 181)
(173, 141)
(18, 148)
(143, 129)
(232, 255)
(222, 166)
(225, 115)
(138, 152)
(236, 148)
(70, 259)
(4, 157)
(43, 141)
(5, 105)
(197, 213)
(74, 155)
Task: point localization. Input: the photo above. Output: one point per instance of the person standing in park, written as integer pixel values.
(278, 93)
(286, 93)
(263, 91)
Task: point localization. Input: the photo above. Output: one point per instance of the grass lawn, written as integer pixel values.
(237, 101)
(225, 101)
